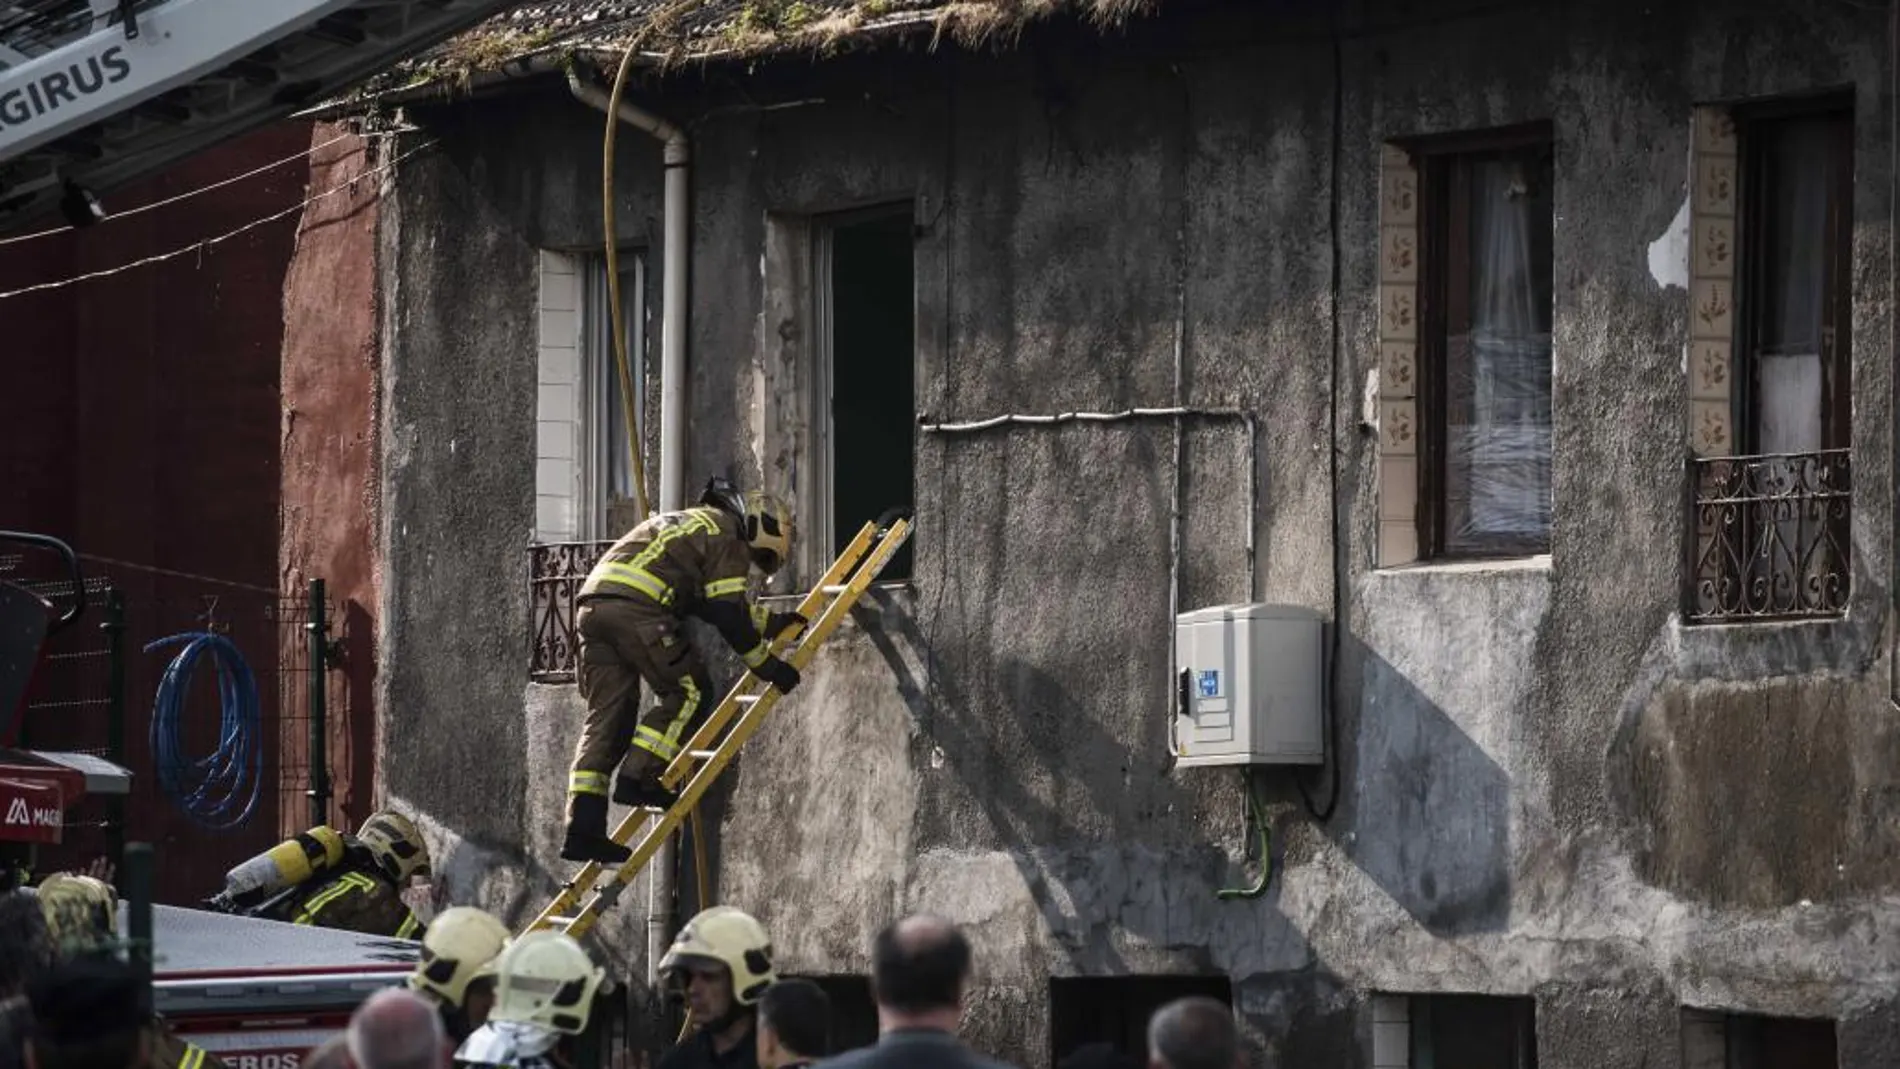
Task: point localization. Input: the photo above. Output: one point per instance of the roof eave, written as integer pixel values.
(452, 88)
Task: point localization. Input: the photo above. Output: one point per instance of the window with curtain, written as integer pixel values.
(1796, 189)
(1486, 386)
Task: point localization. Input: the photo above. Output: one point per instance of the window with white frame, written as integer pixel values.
(583, 468)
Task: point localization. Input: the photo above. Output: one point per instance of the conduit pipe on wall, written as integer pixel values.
(677, 236)
(1178, 415)
(662, 889)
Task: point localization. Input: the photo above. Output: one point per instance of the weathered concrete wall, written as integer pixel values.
(465, 743)
(1550, 785)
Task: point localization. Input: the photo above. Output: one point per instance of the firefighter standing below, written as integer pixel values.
(544, 992)
(722, 960)
(457, 967)
(82, 920)
(693, 562)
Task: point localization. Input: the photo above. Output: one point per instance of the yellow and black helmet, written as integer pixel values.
(764, 521)
(729, 937)
(82, 912)
(545, 978)
(396, 845)
(459, 947)
(768, 530)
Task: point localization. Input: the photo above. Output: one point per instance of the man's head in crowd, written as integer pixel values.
(919, 967)
(794, 1024)
(1193, 1033)
(397, 1029)
(86, 1015)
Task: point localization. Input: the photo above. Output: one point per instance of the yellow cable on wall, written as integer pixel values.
(634, 445)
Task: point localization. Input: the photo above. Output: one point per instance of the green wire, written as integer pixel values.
(1266, 848)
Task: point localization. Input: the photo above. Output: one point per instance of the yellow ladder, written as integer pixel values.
(701, 761)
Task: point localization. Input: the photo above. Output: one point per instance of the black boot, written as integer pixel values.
(643, 793)
(587, 833)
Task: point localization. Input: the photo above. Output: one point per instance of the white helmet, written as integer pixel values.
(454, 950)
(545, 978)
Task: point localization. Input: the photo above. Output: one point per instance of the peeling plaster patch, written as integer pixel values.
(1669, 254)
(980, 887)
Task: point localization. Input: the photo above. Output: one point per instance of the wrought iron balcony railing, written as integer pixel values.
(1772, 536)
(555, 573)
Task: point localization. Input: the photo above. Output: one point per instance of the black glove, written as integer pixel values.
(779, 674)
(778, 623)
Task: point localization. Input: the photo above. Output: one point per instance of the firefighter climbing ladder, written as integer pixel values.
(701, 761)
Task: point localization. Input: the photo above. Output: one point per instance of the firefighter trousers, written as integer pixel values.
(622, 642)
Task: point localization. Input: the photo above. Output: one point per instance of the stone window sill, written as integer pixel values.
(1539, 563)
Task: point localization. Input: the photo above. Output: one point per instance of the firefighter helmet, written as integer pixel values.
(728, 937)
(764, 520)
(544, 978)
(721, 494)
(82, 912)
(396, 845)
(455, 950)
(768, 530)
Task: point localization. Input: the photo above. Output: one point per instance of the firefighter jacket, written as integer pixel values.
(356, 898)
(171, 1052)
(693, 562)
(698, 1052)
(168, 1050)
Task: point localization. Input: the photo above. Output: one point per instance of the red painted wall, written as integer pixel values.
(330, 493)
(141, 422)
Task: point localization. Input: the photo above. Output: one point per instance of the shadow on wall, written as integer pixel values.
(352, 769)
(1427, 811)
(501, 878)
(1089, 891)
(1101, 898)
(1427, 816)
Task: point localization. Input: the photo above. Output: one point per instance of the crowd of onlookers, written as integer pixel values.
(920, 976)
(71, 999)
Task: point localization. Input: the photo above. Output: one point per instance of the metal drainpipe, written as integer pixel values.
(662, 889)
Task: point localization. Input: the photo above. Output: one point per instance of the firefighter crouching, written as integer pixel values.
(327, 879)
(721, 963)
(544, 991)
(457, 968)
(82, 917)
(632, 608)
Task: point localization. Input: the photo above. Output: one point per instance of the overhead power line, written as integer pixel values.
(201, 245)
(129, 212)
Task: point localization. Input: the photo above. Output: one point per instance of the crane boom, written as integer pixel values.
(99, 93)
(109, 70)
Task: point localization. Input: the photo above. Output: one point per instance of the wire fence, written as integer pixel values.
(96, 693)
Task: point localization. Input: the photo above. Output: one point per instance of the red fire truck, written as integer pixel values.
(260, 994)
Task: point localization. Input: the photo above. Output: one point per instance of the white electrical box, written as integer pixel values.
(1252, 686)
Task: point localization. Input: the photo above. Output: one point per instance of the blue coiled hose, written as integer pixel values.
(209, 789)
